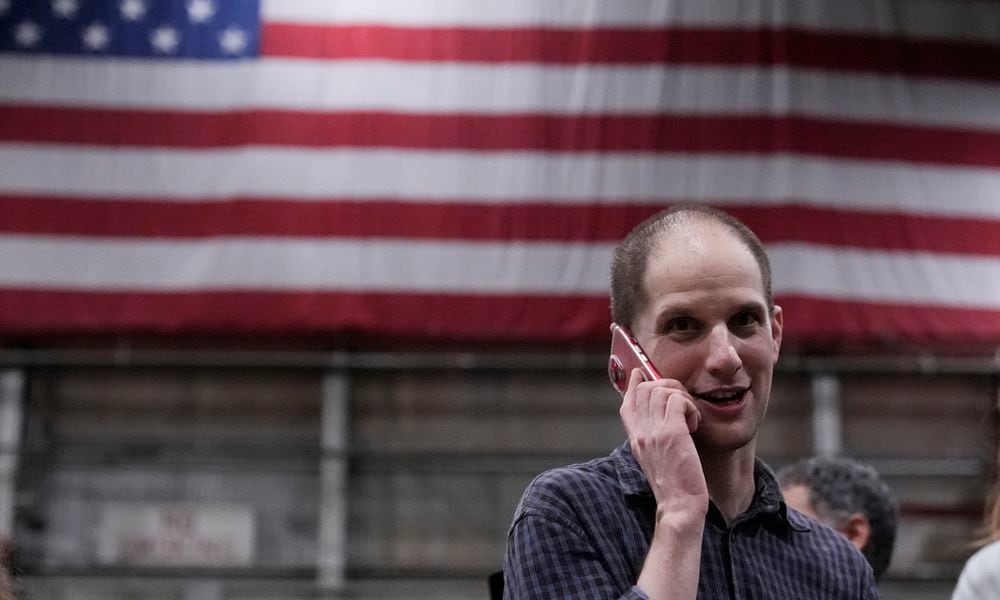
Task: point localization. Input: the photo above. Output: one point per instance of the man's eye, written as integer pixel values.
(681, 325)
(743, 320)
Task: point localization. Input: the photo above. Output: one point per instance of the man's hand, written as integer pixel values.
(659, 417)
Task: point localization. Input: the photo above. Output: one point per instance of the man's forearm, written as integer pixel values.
(673, 563)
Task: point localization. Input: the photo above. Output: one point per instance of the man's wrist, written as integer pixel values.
(681, 515)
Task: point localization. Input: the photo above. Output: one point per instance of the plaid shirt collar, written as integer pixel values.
(767, 499)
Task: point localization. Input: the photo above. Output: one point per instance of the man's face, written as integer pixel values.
(706, 324)
(856, 527)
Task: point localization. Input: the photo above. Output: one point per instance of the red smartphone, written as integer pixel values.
(626, 354)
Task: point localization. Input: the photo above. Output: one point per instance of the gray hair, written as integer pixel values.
(840, 487)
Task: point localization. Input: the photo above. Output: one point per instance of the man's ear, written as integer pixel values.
(857, 529)
(777, 321)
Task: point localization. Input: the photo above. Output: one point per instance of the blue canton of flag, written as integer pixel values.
(201, 29)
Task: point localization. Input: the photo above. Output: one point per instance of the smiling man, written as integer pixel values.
(684, 509)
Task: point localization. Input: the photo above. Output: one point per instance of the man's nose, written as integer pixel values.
(723, 359)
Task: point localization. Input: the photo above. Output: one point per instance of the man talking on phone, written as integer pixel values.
(684, 509)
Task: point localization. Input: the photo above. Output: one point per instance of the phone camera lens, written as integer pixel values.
(616, 373)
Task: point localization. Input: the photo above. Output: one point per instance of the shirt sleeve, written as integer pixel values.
(871, 589)
(550, 559)
(980, 578)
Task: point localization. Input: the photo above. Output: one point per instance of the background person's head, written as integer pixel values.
(6, 588)
(6, 558)
(849, 497)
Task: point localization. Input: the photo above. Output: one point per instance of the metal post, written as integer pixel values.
(827, 416)
(11, 416)
(332, 560)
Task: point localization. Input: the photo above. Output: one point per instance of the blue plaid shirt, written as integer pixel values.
(583, 532)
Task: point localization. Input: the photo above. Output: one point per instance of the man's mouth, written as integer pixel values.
(730, 396)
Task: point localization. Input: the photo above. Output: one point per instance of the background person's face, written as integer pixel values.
(707, 325)
(797, 497)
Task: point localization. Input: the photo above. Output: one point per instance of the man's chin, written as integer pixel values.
(714, 441)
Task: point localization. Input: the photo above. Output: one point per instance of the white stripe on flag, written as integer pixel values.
(271, 264)
(914, 18)
(462, 267)
(904, 277)
(497, 177)
(437, 88)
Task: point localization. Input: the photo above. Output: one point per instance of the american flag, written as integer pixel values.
(462, 169)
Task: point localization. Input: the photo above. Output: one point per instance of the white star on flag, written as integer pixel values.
(28, 34)
(132, 10)
(65, 8)
(95, 36)
(233, 40)
(200, 11)
(4, 6)
(165, 39)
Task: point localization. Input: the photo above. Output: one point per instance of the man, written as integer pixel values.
(683, 509)
(848, 497)
(5, 591)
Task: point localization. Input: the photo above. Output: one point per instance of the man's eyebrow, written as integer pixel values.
(752, 307)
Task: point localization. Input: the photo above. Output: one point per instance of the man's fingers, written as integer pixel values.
(640, 396)
(646, 406)
(692, 416)
(635, 378)
(658, 399)
(680, 406)
(644, 402)
(628, 410)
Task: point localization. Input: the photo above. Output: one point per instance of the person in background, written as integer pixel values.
(5, 591)
(684, 509)
(846, 496)
(980, 577)
(6, 559)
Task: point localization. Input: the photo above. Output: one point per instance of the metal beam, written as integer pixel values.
(11, 417)
(827, 419)
(579, 360)
(332, 559)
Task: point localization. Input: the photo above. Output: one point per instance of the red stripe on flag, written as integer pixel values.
(657, 133)
(797, 48)
(249, 312)
(875, 230)
(813, 321)
(836, 324)
(383, 218)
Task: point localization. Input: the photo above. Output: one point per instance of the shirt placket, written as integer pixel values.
(731, 548)
(741, 583)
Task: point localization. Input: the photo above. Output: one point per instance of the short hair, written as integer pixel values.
(628, 265)
(839, 487)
